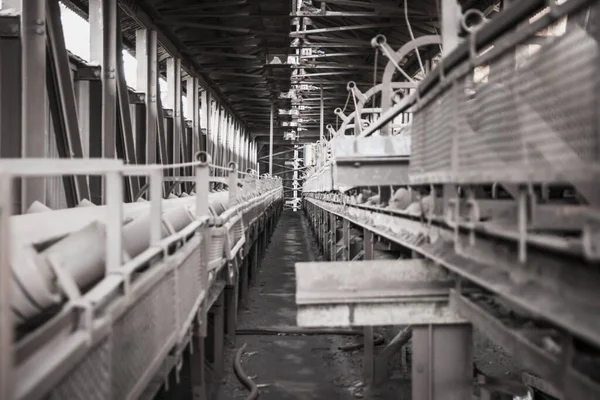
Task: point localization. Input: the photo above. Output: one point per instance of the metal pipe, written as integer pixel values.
(271, 140)
(322, 135)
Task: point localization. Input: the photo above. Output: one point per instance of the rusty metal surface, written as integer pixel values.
(383, 293)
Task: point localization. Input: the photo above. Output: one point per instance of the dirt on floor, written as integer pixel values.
(312, 367)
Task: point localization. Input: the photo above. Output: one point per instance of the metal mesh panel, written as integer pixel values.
(236, 231)
(140, 334)
(432, 141)
(529, 114)
(216, 247)
(90, 379)
(189, 279)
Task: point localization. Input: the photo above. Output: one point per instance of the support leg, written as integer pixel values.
(244, 271)
(218, 311)
(442, 362)
(231, 306)
(197, 371)
(369, 355)
(253, 264)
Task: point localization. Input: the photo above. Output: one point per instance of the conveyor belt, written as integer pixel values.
(88, 331)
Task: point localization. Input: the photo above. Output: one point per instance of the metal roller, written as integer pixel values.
(80, 253)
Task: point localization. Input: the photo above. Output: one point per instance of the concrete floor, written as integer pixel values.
(312, 367)
(295, 367)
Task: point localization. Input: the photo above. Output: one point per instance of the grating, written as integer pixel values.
(189, 282)
(140, 334)
(529, 115)
(90, 379)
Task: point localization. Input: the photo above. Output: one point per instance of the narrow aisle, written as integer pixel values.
(293, 367)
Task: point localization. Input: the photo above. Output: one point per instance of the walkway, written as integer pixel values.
(292, 367)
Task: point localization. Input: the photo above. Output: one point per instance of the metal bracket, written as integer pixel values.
(88, 73)
(137, 97)
(10, 26)
(383, 292)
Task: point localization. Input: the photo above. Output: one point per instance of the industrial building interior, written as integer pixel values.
(300, 199)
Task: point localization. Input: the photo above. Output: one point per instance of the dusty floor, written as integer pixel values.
(295, 367)
(312, 367)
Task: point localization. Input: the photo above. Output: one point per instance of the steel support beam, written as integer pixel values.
(271, 125)
(174, 102)
(343, 28)
(103, 15)
(165, 39)
(322, 117)
(442, 362)
(147, 81)
(7, 373)
(205, 125)
(11, 104)
(451, 15)
(33, 77)
(192, 91)
(126, 141)
(63, 105)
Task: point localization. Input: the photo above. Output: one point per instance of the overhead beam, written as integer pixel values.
(344, 28)
(171, 44)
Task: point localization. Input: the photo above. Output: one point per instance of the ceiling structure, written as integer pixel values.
(254, 53)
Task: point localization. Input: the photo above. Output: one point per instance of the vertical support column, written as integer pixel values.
(33, 103)
(369, 346)
(295, 183)
(218, 136)
(146, 53)
(243, 282)
(203, 210)
(231, 304)
(205, 125)
(63, 105)
(125, 139)
(6, 323)
(322, 120)
(238, 146)
(174, 101)
(442, 359)
(346, 232)
(103, 16)
(10, 108)
(193, 113)
(197, 371)
(271, 139)
(332, 239)
(218, 310)
(451, 14)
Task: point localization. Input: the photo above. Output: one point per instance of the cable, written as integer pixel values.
(275, 331)
(242, 376)
(347, 100)
(375, 76)
(412, 36)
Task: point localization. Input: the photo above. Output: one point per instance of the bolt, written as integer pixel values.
(39, 31)
(356, 165)
(14, 28)
(39, 21)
